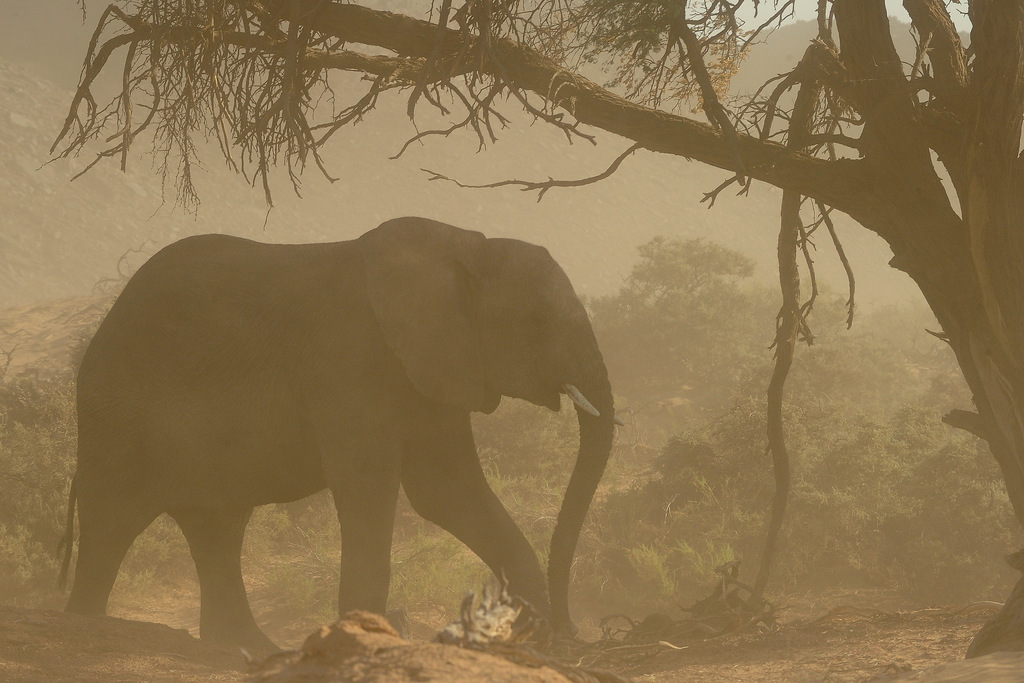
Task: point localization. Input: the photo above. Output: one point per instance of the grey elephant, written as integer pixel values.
(230, 374)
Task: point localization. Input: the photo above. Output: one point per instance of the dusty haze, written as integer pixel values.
(688, 484)
(58, 239)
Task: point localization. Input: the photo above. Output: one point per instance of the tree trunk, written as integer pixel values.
(1005, 631)
(998, 387)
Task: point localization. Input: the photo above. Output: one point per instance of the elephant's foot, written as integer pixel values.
(399, 619)
(92, 605)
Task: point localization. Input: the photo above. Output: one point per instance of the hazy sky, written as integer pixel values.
(592, 231)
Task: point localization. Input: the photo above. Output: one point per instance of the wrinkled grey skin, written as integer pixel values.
(231, 374)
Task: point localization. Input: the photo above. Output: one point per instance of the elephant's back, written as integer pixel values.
(193, 381)
(198, 273)
(213, 304)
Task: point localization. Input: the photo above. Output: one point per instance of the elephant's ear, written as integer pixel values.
(420, 279)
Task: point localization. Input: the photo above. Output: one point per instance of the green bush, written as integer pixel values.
(680, 333)
(37, 456)
(904, 503)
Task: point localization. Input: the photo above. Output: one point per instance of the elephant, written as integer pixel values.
(230, 374)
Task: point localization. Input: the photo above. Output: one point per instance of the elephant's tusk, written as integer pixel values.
(580, 400)
(619, 421)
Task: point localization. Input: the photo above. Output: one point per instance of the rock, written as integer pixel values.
(364, 647)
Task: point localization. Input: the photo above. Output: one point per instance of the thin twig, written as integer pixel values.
(544, 185)
(826, 217)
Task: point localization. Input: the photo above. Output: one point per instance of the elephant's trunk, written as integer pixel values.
(595, 447)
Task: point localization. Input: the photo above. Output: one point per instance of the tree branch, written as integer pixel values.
(790, 323)
(850, 279)
(968, 421)
(946, 51)
(716, 113)
(869, 55)
(998, 84)
(542, 186)
(841, 183)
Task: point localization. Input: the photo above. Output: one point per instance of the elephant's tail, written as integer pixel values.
(67, 541)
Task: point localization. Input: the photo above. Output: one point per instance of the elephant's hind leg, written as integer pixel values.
(107, 528)
(215, 539)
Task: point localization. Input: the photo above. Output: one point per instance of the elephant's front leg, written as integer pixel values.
(364, 479)
(442, 476)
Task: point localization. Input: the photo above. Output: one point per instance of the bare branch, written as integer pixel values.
(242, 79)
(968, 421)
(541, 187)
(433, 59)
(945, 50)
(712, 196)
(838, 184)
(826, 217)
(791, 321)
(783, 11)
(712, 107)
(834, 139)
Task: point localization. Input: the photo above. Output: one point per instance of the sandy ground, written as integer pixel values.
(52, 646)
(846, 646)
(843, 644)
